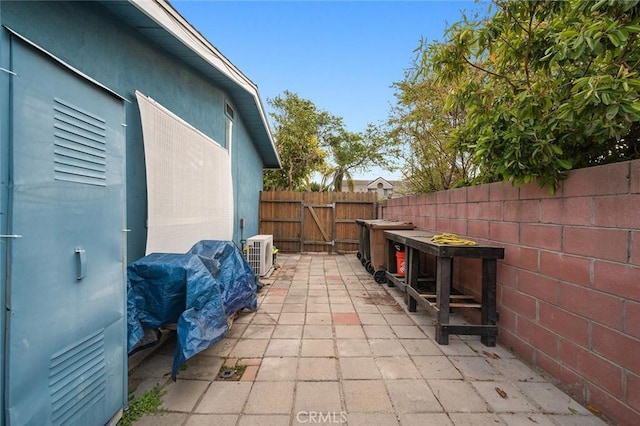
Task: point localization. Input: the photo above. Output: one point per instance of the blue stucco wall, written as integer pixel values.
(86, 36)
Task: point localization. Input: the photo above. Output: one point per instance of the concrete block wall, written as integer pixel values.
(569, 285)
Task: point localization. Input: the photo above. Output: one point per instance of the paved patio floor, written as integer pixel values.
(328, 345)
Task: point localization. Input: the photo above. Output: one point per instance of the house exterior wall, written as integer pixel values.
(569, 285)
(86, 36)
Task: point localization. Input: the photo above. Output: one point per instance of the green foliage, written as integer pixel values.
(420, 122)
(298, 129)
(147, 403)
(310, 140)
(545, 86)
(351, 152)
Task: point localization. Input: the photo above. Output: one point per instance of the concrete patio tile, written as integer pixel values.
(236, 330)
(270, 398)
(397, 368)
(292, 298)
(321, 318)
(258, 331)
(293, 308)
(318, 308)
(224, 397)
(515, 401)
(346, 318)
(271, 308)
(318, 348)
(377, 419)
(365, 308)
(249, 348)
(476, 368)
(526, 419)
(221, 348)
(182, 395)
(436, 367)
(359, 368)
(265, 319)
(515, 370)
(394, 308)
(353, 347)
(318, 332)
(456, 347)
(148, 384)
(285, 331)
(458, 396)
(283, 347)
(387, 347)
(378, 332)
(244, 317)
(291, 318)
(317, 292)
(550, 398)
(164, 419)
(277, 369)
(481, 419)
(349, 332)
(408, 332)
(317, 369)
(274, 420)
(574, 420)
(366, 396)
(273, 299)
(201, 367)
(420, 346)
(372, 319)
(342, 307)
(339, 295)
(424, 419)
(318, 300)
(322, 397)
(157, 366)
(475, 344)
(398, 319)
(209, 419)
(412, 396)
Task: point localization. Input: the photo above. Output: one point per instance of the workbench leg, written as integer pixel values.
(489, 314)
(412, 260)
(443, 293)
(391, 260)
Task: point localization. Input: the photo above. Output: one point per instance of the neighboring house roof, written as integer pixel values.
(385, 184)
(161, 23)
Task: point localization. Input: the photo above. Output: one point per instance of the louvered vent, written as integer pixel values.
(77, 378)
(80, 140)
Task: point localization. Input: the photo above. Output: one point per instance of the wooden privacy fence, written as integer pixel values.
(315, 221)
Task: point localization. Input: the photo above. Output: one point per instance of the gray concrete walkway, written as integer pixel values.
(328, 345)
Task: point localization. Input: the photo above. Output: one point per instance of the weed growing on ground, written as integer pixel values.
(147, 403)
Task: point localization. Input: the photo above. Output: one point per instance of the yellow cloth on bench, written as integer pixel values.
(452, 239)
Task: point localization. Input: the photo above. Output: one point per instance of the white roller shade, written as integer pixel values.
(189, 183)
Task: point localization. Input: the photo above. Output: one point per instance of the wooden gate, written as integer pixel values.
(315, 221)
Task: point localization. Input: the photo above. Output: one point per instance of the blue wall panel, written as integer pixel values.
(119, 57)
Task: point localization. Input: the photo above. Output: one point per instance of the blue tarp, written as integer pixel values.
(198, 290)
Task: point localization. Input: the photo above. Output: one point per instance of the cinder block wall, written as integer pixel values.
(569, 286)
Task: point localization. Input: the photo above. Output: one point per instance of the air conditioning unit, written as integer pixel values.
(260, 254)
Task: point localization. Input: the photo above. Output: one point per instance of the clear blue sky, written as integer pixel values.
(341, 55)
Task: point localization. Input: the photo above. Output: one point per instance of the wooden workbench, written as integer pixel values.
(416, 242)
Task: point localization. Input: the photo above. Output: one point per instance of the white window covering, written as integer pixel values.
(189, 183)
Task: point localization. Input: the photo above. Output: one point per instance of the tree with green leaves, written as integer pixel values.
(421, 123)
(558, 87)
(298, 131)
(351, 152)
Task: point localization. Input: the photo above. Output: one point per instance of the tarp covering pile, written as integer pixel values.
(198, 290)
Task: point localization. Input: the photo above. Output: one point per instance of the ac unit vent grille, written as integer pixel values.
(260, 254)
